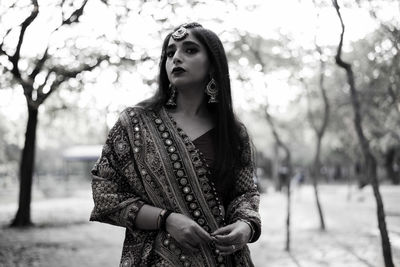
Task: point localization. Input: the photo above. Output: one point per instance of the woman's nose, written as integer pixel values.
(177, 58)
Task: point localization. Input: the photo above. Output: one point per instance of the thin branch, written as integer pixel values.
(74, 17)
(61, 6)
(2, 51)
(73, 73)
(40, 88)
(64, 75)
(134, 61)
(338, 57)
(323, 93)
(310, 115)
(28, 21)
(276, 135)
(350, 80)
(39, 65)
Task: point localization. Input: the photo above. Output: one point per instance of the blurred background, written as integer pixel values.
(317, 84)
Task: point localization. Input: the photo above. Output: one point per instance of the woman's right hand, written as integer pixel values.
(187, 232)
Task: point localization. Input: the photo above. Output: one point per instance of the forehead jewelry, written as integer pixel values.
(180, 33)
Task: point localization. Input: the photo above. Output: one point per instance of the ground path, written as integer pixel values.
(64, 238)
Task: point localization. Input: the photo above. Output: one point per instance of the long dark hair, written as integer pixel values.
(228, 141)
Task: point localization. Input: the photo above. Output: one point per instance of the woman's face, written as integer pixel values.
(187, 62)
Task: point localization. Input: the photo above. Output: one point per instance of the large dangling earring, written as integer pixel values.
(171, 101)
(212, 91)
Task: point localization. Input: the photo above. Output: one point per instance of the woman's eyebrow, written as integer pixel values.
(185, 43)
(171, 46)
(190, 43)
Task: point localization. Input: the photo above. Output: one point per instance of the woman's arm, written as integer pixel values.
(242, 212)
(183, 229)
(115, 200)
(148, 218)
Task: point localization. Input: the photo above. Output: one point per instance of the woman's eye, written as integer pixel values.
(170, 54)
(191, 50)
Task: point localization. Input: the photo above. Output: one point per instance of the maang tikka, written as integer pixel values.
(180, 33)
(212, 91)
(171, 101)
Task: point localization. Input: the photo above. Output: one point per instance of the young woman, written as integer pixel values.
(177, 170)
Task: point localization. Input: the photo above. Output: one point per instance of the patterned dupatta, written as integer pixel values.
(150, 160)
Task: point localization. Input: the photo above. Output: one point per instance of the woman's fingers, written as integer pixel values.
(225, 235)
(226, 239)
(188, 233)
(223, 230)
(203, 235)
(227, 249)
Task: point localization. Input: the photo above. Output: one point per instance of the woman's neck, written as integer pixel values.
(190, 102)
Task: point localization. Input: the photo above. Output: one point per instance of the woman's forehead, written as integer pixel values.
(188, 38)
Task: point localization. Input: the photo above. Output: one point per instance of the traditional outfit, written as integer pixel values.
(147, 159)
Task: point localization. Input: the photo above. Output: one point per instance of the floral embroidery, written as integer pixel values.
(146, 159)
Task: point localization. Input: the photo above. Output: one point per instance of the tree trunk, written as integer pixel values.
(370, 162)
(319, 132)
(387, 251)
(389, 161)
(287, 165)
(23, 216)
(315, 174)
(289, 202)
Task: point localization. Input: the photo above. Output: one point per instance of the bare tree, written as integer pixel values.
(287, 164)
(36, 92)
(370, 161)
(319, 131)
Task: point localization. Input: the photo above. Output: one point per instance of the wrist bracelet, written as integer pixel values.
(163, 219)
(251, 229)
(160, 215)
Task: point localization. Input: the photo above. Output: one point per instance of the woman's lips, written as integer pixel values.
(178, 70)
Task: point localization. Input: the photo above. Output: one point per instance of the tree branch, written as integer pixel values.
(276, 136)
(28, 21)
(2, 51)
(41, 87)
(74, 17)
(64, 75)
(338, 57)
(73, 73)
(309, 113)
(323, 93)
(39, 65)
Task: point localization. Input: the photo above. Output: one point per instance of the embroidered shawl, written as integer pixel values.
(147, 159)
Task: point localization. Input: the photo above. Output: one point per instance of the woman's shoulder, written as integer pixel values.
(242, 130)
(140, 109)
(133, 111)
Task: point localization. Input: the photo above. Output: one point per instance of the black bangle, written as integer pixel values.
(163, 220)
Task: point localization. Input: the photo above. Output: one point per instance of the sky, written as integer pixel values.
(297, 18)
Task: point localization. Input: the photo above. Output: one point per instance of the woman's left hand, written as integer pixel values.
(232, 237)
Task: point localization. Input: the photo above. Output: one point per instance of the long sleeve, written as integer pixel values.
(118, 192)
(245, 205)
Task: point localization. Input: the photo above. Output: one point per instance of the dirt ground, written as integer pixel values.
(63, 237)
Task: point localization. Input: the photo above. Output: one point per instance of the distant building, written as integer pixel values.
(79, 160)
(82, 153)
